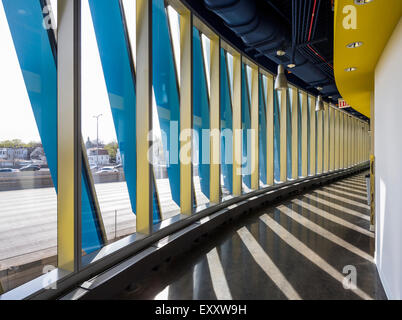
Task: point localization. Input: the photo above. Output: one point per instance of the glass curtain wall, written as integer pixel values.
(226, 123)
(29, 127)
(28, 141)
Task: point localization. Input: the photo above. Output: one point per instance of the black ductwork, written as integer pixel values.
(266, 31)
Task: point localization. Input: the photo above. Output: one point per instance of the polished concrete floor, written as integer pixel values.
(310, 247)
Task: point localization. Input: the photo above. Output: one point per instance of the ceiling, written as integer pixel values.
(302, 29)
(376, 21)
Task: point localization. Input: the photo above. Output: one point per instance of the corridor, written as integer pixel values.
(302, 248)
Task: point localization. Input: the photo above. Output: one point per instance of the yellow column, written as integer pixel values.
(283, 138)
(295, 132)
(68, 138)
(337, 134)
(341, 141)
(304, 142)
(320, 147)
(186, 110)
(332, 139)
(254, 127)
(237, 134)
(353, 141)
(270, 129)
(215, 119)
(326, 137)
(349, 141)
(313, 132)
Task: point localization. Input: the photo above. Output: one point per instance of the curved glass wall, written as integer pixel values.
(226, 79)
(107, 104)
(31, 238)
(28, 144)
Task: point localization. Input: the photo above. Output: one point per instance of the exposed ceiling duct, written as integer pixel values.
(295, 33)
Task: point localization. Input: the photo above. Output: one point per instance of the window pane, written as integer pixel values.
(108, 126)
(28, 145)
(262, 80)
(246, 127)
(226, 126)
(166, 106)
(289, 110)
(201, 118)
(277, 136)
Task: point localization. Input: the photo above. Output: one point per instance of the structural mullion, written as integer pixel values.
(237, 128)
(215, 120)
(332, 139)
(326, 137)
(320, 147)
(186, 110)
(283, 135)
(254, 127)
(295, 133)
(350, 141)
(69, 152)
(341, 141)
(304, 131)
(313, 133)
(337, 134)
(144, 115)
(270, 129)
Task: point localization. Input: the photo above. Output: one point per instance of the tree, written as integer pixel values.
(17, 143)
(111, 148)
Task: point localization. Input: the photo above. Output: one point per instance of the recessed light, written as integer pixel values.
(362, 1)
(319, 88)
(291, 65)
(354, 44)
(280, 53)
(350, 69)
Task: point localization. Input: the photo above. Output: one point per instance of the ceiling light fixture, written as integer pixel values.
(319, 104)
(280, 81)
(362, 1)
(350, 69)
(280, 53)
(354, 45)
(291, 65)
(319, 88)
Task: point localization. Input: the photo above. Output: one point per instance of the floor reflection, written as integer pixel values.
(298, 249)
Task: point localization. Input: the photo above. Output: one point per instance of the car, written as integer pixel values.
(30, 167)
(107, 170)
(119, 166)
(8, 170)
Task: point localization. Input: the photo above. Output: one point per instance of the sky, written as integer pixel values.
(16, 116)
(17, 122)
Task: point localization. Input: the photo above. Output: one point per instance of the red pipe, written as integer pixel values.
(309, 35)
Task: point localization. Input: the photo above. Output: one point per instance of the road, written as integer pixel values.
(28, 219)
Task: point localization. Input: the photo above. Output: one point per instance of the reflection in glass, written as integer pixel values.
(289, 109)
(28, 145)
(262, 98)
(226, 124)
(246, 127)
(201, 118)
(277, 137)
(108, 102)
(166, 106)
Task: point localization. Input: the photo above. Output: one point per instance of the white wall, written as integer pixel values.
(388, 165)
